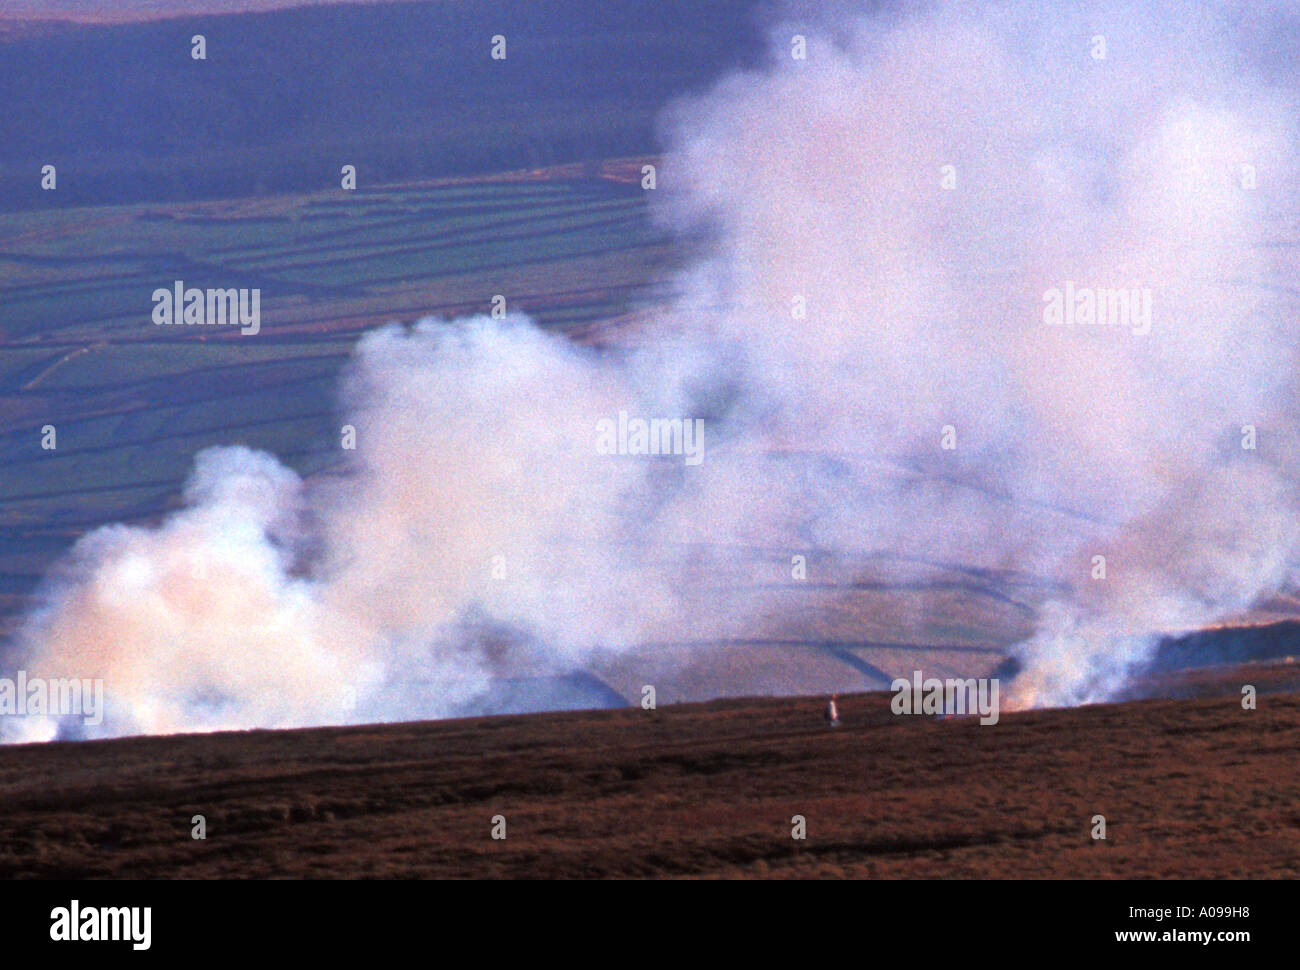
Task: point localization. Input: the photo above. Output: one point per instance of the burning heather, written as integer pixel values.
(977, 289)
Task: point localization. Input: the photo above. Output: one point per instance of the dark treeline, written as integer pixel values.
(403, 90)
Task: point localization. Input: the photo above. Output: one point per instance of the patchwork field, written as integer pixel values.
(573, 246)
(131, 403)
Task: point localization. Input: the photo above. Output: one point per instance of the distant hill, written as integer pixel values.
(18, 29)
(400, 90)
(120, 11)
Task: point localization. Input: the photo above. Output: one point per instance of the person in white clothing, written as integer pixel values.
(832, 713)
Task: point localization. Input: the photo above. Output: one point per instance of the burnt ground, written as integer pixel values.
(1195, 787)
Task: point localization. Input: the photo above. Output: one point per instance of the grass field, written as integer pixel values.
(573, 246)
(131, 402)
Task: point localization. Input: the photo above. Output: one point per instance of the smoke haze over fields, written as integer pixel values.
(866, 340)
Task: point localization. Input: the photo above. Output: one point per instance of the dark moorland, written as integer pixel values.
(1189, 788)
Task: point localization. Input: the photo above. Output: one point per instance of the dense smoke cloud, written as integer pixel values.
(886, 222)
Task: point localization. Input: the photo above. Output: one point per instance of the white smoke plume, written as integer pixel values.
(884, 219)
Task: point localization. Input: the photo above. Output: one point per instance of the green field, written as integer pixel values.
(133, 402)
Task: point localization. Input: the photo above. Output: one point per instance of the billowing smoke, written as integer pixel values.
(1003, 287)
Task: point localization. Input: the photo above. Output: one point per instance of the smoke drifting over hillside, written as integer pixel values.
(892, 220)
